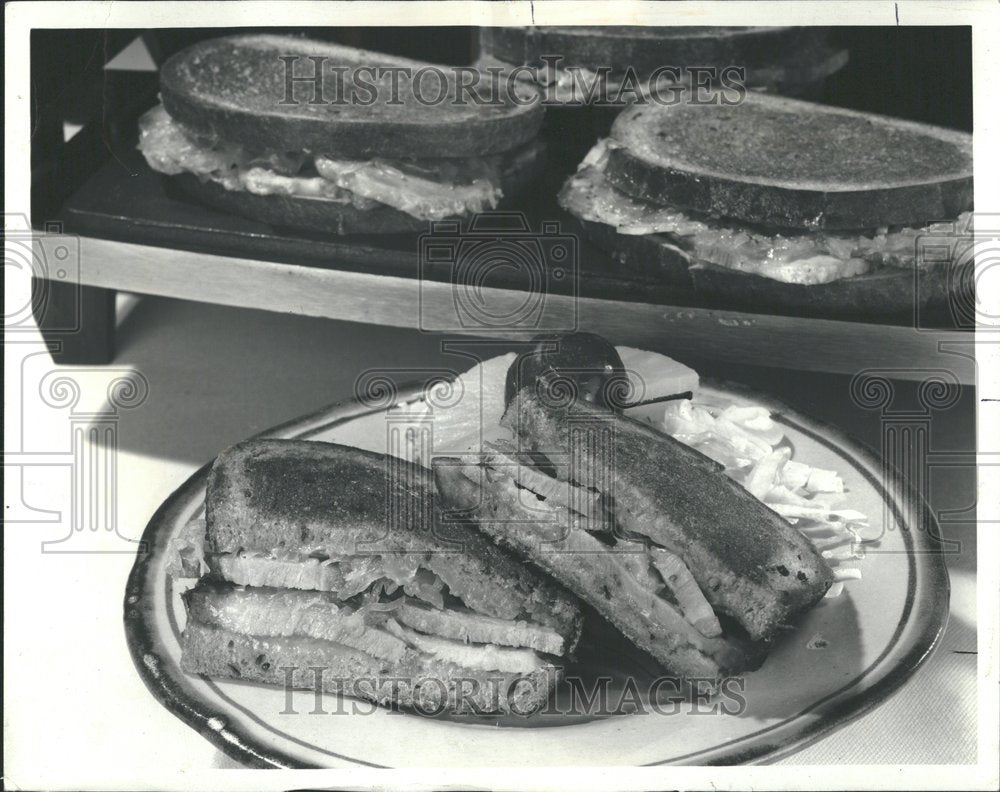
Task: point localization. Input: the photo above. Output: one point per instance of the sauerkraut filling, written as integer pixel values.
(808, 258)
(653, 569)
(425, 189)
(383, 605)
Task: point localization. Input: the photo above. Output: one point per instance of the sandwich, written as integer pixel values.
(675, 554)
(318, 136)
(777, 205)
(789, 60)
(327, 561)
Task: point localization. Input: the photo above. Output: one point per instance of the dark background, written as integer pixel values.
(919, 73)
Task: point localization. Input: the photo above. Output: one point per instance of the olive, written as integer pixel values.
(567, 368)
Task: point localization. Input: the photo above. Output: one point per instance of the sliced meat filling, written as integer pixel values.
(481, 657)
(621, 582)
(471, 627)
(464, 638)
(809, 258)
(349, 600)
(652, 568)
(270, 612)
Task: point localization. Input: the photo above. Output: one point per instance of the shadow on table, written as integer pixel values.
(218, 375)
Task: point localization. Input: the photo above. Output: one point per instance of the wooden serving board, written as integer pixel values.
(135, 235)
(128, 202)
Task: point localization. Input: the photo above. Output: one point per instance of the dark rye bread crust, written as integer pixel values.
(316, 214)
(786, 163)
(303, 496)
(748, 561)
(890, 295)
(652, 256)
(232, 88)
(415, 682)
(648, 48)
(592, 571)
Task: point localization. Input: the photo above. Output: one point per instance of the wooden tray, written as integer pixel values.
(135, 235)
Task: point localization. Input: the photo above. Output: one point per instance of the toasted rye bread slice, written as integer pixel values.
(647, 48)
(304, 497)
(604, 577)
(331, 217)
(787, 163)
(749, 562)
(235, 88)
(891, 295)
(415, 682)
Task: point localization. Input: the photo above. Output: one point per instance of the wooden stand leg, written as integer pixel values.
(78, 322)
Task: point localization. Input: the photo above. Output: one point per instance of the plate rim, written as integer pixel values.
(239, 745)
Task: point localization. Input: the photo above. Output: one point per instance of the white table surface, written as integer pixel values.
(76, 711)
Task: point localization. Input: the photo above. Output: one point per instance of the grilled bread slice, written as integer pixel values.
(749, 563)
(791, 164)
(416, 681)
(234, 88)
(647, 48)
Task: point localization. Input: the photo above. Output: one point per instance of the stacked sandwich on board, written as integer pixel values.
(779, 205)
(312, 135)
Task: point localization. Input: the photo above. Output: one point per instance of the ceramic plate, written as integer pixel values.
(846, 657)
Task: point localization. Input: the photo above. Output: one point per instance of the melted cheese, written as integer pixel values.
(427, 190)
(417, 195)
(806, 258)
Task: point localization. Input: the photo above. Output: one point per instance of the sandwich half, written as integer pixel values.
(314, 135)
(780, 206)
(680, 558)
(319, 556)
